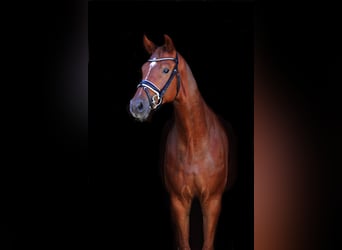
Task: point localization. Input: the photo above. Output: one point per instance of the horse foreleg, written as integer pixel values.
(180, 212)
(211, 210)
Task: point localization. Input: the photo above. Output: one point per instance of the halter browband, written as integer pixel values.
(157, 99)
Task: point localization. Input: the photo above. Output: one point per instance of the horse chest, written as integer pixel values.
(190, 164)
(193, 155)
(192, 178)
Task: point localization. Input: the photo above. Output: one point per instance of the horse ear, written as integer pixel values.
(168, 43)
(149, 45)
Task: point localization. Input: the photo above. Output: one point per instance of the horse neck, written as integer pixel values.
(191, 112)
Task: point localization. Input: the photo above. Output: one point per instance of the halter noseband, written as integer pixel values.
(157, 99)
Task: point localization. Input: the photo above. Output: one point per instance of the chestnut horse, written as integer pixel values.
(195, 160)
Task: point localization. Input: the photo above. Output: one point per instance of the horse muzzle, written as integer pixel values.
(140, 108)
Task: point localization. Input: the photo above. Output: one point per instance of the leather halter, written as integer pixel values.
(157, 99)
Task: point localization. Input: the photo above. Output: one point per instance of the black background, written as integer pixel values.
(217, 42)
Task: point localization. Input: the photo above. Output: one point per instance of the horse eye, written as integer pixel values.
(165, 70)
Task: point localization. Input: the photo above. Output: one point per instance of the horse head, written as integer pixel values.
(160, 79)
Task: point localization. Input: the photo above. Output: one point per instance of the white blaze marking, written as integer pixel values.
(152, 64)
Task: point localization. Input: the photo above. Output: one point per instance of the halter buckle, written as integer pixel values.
(156, 101)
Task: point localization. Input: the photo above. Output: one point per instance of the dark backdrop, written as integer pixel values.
(127, 196)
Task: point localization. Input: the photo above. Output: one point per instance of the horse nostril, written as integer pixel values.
(140, 106)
